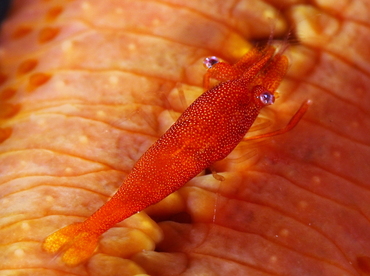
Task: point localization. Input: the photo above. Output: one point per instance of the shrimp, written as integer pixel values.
(208, 130)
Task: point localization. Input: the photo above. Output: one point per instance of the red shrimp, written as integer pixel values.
(208, 130)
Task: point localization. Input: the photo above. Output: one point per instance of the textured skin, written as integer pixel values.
(300, 206)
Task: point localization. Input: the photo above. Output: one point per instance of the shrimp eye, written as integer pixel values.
(209, 62)
(267, 98)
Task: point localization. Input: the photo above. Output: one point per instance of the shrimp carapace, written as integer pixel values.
(208, 130)
(223, 71)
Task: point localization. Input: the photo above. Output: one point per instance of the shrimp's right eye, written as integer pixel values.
(209, 62)
(267, 98)
(263, 96)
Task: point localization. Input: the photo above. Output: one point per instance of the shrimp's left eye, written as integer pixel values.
(209, 62)
(267, 98)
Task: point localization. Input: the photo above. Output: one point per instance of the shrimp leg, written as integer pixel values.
(292, 123)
